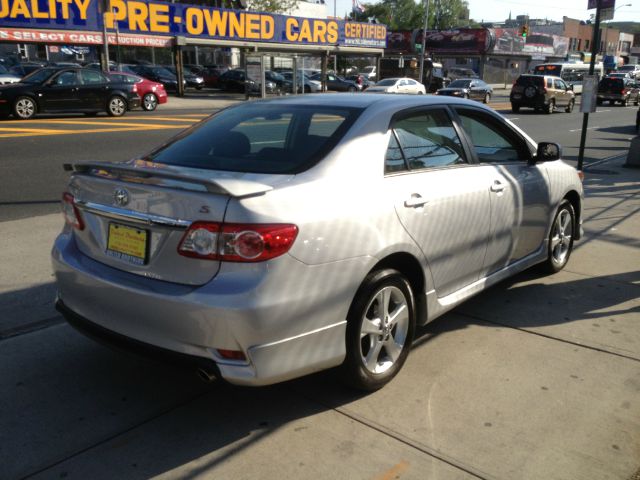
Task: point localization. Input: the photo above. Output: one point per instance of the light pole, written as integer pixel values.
(606, 27)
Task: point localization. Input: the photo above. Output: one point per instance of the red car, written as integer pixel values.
(151, 93)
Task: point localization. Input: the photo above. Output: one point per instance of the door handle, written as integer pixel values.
(415, 201)
(498, 186)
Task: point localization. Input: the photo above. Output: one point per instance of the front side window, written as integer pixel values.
(490, 141)
(428, 140)
(90, 77)
(66, 79)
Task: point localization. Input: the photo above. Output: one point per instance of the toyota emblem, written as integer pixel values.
(120, 197)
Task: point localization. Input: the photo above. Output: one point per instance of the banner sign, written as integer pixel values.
(147, 17)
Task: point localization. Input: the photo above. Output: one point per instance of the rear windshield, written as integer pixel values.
(260, 138)
(611, 83)
(530, 81)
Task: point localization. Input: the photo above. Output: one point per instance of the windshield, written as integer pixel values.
(388, 82)
(260, 138)
(460, 84)
(39, 76)
(161, 71)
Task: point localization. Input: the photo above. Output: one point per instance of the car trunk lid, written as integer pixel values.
(136, 214)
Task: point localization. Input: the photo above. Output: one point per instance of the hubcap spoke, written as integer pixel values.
(400, 315)
(370, 327)
(555, 241)
(392, 349)
(372, 357)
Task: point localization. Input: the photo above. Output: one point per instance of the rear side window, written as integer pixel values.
(425, 140)
(90, 77)
(260, 138)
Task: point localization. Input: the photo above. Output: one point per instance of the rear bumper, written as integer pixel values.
(285, 331)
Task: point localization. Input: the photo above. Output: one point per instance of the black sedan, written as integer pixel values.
(156, 74)
(472, 88)
(193, 80)
(237, 81)
(54, 89)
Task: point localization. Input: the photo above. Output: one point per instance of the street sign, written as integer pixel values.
(606, 14)
(589, 94)
(603, 4)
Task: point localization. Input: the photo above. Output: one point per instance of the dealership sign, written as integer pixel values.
(142, 17)
(603, 4)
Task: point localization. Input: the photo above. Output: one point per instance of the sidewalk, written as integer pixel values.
(536, 378)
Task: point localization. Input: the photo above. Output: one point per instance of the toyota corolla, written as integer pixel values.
(282, 237)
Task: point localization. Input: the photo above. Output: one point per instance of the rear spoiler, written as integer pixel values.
(142, 174)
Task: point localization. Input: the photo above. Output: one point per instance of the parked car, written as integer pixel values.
(397, 85)
(456, 72)
(632, 70)
(192, 80)
(8, 77)
(542, 93)
(472, 88)
(622, 90)
(26, 68)
(337, 84)
(151, 93)
(310, 86)
(370, 72)
(156, 74)
(236, 81)
(361, 80)
(55, 89)
(245, 247)
(212, 74)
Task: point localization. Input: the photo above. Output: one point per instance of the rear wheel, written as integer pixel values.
(149, 102)
(569, 108)
(560, 238)
(25, 108)
(550, 107)
(116, 106)
(515, 108)
(380, 328)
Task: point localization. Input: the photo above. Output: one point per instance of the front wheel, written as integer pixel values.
(487, 98)
(569, 108)
(560, 238)
(116, 106)
(380, 328)
(149, 102)
(25, 108)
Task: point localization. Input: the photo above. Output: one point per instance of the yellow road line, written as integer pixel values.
(27, 130)
(120, 124)
(96, 130)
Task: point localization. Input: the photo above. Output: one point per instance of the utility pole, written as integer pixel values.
(104, 58)
(424, 40)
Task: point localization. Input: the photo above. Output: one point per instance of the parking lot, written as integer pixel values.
(537, 378)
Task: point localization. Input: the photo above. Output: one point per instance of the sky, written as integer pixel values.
(498, 10)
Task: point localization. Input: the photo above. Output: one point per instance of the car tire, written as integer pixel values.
(116, 106)
(487, 98)
(466, 96)
(25, 108)
(378, 341)
(351, 89)
(570, 105)
(515, 108)
(624, 102)
(550, 107)
(560, 238)
(150, 102)
(598, 102)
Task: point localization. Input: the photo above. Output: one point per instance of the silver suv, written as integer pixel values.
(282, 237)
(542, 93)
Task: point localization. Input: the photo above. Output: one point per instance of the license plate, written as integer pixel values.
(127, 243)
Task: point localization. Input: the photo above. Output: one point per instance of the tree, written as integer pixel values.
(272, 6)
(409, 15)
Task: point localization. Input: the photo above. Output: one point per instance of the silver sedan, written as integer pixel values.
(286, 236)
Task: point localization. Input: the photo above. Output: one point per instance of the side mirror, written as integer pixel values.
(548, 151)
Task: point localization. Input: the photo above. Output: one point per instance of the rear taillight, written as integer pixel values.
(623, 92)
(70, 211)
(237, 242)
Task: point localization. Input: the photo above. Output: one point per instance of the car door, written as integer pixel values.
(562, 92)
(519, 191)
(438, 196)
(94, 90)
(62, 92)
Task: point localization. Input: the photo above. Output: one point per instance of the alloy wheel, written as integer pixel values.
(384, 329)
(561, 236)
(117, 106)
(25, 108)
(149, 102)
